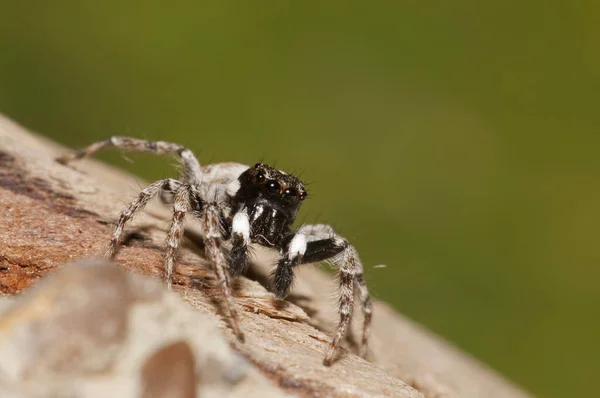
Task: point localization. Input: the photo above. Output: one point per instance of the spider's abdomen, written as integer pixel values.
(268, 225)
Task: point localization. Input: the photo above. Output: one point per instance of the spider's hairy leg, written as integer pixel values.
(136, 205)
(240, 238)
(347, 273)
(367, 309)
(211, 226)
(191, 173)
(181, 205)
(314, 243)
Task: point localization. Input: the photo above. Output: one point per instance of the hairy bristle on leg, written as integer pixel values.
(191, 174)
(181, 204)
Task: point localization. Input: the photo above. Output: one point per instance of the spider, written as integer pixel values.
(239, 205)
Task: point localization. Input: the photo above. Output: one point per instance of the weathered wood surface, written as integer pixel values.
(52, 214)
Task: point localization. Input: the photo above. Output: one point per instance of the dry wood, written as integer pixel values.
(53, 214)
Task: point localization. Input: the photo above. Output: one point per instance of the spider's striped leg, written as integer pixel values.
(181, 205)
(191, 173)
(367, 309)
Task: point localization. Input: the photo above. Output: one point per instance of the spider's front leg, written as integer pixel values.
(317, 243)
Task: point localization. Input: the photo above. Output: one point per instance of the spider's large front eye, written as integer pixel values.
(260, 178)
(273, 187)
(289, 195)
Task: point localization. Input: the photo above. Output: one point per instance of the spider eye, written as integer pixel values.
(302, 195)
(257, 165)
(260, 178)
(289, 195)
(273, 187)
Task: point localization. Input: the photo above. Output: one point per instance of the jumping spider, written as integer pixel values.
(241, 205)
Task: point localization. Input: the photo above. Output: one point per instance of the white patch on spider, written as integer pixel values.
(241, 224)
(233, 187)
(258, 211)
(298, 245)
(339, 241)
(313, 238)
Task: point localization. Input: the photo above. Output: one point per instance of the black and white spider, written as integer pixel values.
(239, 205)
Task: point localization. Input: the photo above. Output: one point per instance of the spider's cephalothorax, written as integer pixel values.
(240, 205)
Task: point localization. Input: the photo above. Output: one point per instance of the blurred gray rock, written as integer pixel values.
(92, 329)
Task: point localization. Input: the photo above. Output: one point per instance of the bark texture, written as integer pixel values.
(132, 337)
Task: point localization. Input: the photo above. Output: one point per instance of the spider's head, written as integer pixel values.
(277, 185)
(265, 183)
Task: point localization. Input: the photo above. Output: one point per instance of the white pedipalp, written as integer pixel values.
(298, 245)
(241, 225)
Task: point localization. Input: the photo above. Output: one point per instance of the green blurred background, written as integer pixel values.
(455, 142)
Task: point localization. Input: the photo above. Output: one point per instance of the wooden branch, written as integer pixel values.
(53, 214)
